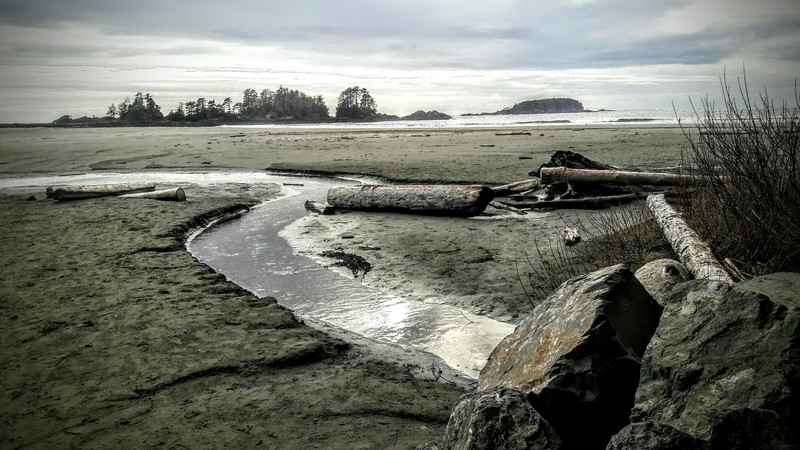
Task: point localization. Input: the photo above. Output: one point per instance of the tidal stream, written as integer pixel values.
(250, 252)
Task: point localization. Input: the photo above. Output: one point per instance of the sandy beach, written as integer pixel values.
(114, 335)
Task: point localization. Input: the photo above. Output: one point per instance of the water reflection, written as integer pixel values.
(250, 252)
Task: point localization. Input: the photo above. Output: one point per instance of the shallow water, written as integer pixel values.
(251, 253)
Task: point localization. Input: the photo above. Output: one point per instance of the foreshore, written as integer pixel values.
(114, 335)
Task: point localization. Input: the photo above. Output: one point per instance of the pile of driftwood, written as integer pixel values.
(146, 190)
(568, 180)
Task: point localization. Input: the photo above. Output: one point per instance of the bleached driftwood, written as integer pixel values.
(448, 200)
(550, 174)
(513, 188)
(84, 192)
(574, 203)
(320, 208)
(500, 205)
(170, 195)
(692, 251)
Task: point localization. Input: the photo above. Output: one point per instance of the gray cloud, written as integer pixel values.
(237, 41)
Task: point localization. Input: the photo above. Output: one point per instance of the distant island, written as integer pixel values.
(542, 106)
(427, 115)
(282, 106)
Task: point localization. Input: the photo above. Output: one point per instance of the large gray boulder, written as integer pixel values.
(577, 355)
(721, 356)
(653, 436)
(660, 276)
(499, 418)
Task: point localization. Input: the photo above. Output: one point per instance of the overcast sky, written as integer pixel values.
(78, 56)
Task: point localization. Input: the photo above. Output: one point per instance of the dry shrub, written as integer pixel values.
(625, 234)
(745, 159)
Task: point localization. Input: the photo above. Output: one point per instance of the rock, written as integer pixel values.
(571, 236)
(746, 428)
(653, 436)
(428, 446)
(499, 418)
(660, 276)
(577, 355)
(720, 348)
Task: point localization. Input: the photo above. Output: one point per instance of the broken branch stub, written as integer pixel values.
(444, 200)
(319, 208)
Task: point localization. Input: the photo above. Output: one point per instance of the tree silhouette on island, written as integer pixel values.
(285, 105)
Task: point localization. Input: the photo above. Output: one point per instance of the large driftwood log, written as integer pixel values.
(447, 200)
(84, 192)
(692, 251)
(171, 195)
(551, 174)
(514, 188)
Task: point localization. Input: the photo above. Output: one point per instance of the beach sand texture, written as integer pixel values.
(114, 335)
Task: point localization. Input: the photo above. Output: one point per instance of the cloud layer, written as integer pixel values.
(456, 56)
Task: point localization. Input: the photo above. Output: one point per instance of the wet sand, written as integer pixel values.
(114, 335)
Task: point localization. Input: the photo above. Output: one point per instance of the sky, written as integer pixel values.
(77, 57)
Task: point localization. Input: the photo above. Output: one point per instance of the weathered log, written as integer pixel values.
(320, 208)
(447, 200)
(499, 205)
(531, 193)
(84, 192)
(574, 203)
(551, 174)
(170, 195)
(513, 188)
(692, 251)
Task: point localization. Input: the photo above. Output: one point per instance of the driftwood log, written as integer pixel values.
(84, 192)
(575, 203)
(514, 188)
(503, 206)
(320, 208)
(446, 200)
(170, 195)
(552, 174)
(692, 251)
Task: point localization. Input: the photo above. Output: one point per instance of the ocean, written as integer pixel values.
(610, 118)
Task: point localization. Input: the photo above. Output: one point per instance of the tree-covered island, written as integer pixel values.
(284, 105)
(542, 106)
